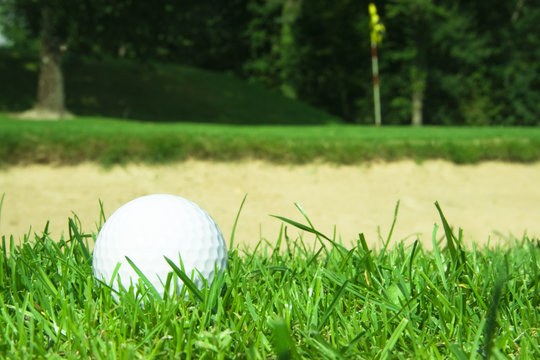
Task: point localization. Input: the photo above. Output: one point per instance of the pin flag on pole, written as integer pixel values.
(377, 30)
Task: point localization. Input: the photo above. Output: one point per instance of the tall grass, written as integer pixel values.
(288, 300)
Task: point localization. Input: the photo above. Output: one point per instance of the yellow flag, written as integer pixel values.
(377, 28)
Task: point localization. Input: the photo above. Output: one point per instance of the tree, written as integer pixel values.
(520, 75)
(203, 34)
(512, 37)
(50, 94)
(333, 68)
(413, 19)
(288, 46)
(446, 62)
(459, 83)
(440, 62)
(273, 44)
(53, 22)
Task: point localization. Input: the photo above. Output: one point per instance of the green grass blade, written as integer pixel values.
(299, 207)
(337, 245)
(389, 237)
(334, 303)
(277, 245)
(301, 226)
(193, 289)
(143, 277)
(437, 257)
(73, 229)
(102, 217)
(231, 243)
(282, 341)
(411, 260)
(386, 351)
(491, 325)
(450, 237)
(311, 230)
(327, 351)
(1, 204)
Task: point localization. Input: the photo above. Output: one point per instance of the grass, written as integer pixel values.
(112, 141)
(182, 113)
(153, 92)
(285, 301)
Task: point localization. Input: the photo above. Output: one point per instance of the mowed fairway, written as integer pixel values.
(490, 201)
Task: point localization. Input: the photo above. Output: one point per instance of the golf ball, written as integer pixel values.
(152, 227)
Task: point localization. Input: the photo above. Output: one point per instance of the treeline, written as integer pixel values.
(449, 62)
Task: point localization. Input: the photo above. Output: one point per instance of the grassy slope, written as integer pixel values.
(115, 141)
(286, 302)
(154, 93)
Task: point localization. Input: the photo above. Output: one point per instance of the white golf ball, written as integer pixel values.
(152, 227)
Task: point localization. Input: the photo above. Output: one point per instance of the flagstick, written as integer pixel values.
(376, 89)
(376, 31)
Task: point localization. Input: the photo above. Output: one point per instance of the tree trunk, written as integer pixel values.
(417, 106)
(419, 69)
(50, 93)
(289, 13)
(418, 81)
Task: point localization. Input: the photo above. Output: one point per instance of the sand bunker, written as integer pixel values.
(490, 200)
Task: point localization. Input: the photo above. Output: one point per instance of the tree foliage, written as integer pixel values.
(446, 62)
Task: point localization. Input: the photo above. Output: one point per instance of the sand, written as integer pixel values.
(490, 201)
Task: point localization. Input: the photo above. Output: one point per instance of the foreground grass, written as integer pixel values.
(111, 141)
(283, 301)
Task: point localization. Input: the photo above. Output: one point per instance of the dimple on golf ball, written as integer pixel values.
(152, 227)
